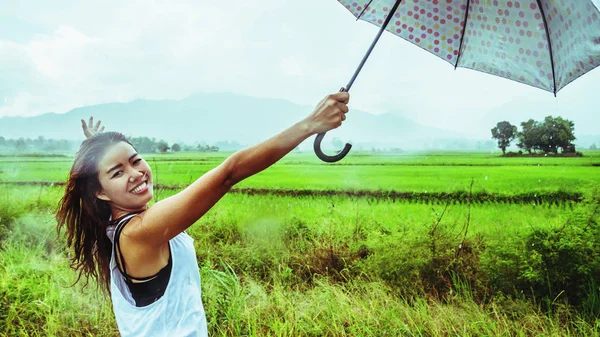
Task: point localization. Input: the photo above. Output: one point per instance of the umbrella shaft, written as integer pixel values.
(381, 30)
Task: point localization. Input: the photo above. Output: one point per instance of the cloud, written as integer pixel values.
(291, 66)
(64, 56)
(78, 53)
(48, 72)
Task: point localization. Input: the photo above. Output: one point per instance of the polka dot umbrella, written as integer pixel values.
(543, 43)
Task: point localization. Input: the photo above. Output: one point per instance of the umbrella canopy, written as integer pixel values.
(543, 43)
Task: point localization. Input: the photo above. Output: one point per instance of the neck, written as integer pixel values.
(119, 212)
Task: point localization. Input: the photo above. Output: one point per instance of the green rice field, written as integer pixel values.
(415, 244)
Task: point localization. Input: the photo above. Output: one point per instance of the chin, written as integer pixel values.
(151, 191)
(148, 195)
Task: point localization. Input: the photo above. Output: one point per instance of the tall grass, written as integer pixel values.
(36, 296)
(37, 300)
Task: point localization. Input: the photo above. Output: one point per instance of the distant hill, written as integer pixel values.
(214, 117)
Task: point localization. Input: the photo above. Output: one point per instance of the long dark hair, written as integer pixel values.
(86, 217)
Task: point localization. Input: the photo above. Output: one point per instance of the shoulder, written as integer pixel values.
(119, 224)
(132, 225)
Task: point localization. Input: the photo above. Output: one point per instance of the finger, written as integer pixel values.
(91, 122)
(342, 107)
(86, 131)
(97, 125)
(343, 97)
(343, 118)
(101, 129)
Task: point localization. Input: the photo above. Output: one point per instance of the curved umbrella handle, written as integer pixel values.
(326, 158)
(317, 145)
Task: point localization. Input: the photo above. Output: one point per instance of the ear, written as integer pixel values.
(100, 195)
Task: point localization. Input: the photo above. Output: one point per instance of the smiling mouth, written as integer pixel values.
(140, 188)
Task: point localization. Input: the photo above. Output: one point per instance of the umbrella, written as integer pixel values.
(542, 43)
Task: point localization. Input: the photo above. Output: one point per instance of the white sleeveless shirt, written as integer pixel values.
(179, 312)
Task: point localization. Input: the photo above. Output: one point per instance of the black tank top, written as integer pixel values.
(144, 290)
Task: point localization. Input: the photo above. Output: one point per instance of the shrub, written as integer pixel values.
(553, 264)
(430, 264)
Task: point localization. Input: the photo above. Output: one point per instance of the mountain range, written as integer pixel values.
(217, 117)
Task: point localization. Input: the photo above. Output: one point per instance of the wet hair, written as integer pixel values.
(85, 217)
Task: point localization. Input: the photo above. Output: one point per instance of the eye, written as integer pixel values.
(118, 173)
(137, 161)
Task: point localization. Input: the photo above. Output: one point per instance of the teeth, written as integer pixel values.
(139, 188)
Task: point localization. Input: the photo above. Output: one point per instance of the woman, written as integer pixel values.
(142, 255)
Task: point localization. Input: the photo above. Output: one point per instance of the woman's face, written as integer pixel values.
(125, 178)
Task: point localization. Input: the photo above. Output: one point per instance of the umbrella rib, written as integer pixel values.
(463, 34)
(549, 44)
(364, 9)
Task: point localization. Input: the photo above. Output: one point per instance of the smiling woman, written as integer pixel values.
(142, 255)
(125, 195)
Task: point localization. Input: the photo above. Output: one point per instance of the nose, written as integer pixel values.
(135, 175)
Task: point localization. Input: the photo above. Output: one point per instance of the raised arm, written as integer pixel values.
(169, 217)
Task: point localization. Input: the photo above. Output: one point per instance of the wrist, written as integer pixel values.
(306, 127)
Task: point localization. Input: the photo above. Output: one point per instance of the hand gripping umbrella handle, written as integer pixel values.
(323, 156)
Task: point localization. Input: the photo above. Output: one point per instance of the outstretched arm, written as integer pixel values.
(169, 217)
(329, 114)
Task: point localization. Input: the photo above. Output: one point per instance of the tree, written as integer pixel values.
(207, 148)
(529, 137)
(143, 144)
(39, 142)
(20, 145)
(162, 146)
(176, 147)
(504, 132)
(547, 136)
(557, 133)
(593, 146)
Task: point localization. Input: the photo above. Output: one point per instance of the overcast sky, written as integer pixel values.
(62, 54)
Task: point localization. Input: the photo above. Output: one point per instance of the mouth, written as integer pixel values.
(141, 188)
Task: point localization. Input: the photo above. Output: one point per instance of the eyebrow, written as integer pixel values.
(119, 165)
